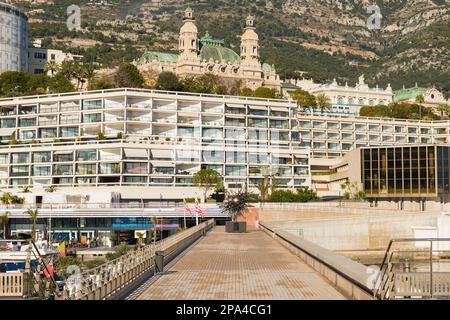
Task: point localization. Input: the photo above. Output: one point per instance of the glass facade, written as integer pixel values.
(405, 171)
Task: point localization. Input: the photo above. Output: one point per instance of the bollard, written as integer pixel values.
(159, 262)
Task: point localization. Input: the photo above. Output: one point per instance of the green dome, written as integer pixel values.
(218, 54)
(268, 68)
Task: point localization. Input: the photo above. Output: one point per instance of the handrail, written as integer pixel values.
(385, 275)
(108, 279)
(131, 90)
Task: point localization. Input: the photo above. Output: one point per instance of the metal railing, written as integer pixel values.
(108, 279)
(415, 268)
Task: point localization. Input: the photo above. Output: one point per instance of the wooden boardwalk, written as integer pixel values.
(250, 266)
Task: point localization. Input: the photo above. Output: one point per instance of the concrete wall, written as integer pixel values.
(340, 231)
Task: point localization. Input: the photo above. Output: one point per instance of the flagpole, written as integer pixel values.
(184, 211)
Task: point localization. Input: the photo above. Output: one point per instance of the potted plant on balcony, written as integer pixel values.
(234, 207)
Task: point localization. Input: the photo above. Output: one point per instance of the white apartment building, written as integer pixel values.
(153, 142)
(345, 99)
(38, 58)
(13, 38)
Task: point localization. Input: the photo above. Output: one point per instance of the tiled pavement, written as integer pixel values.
(249, 266)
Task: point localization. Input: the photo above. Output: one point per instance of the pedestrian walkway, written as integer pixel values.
(250, 266)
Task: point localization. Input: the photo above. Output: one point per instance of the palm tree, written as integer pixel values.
(323, 102)
(51, 67)
(140, 237)
(4, 219)
(50, 189)
(88, 71)
(154, 222)
(33, 215)
(443, 108)
(264, 188)
(419, 100)
(26, 189)
(68, 69)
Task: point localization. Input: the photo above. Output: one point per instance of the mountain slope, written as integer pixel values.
(328, 38)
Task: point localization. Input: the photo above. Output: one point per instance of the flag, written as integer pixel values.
(62, 249)
(187, 209)
(50, 268)
(199, 210)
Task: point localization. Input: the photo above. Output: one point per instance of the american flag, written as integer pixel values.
(187, 209)
(199, 210)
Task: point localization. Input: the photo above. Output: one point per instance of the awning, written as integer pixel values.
(63, 152)
(258, 108)
(162, 164)
(136, 153)
(7, 132)
(235, 105)
(279, 109)
(165, 154)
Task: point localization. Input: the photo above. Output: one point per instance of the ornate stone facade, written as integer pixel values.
(431, 96)
(207, 55)
(348, 99)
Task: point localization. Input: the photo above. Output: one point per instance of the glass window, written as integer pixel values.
(87, 168)
(257, 135)
(237, 134)
(29, 122)
(235, 171)
(134, 180)
(48, 133)
(213, 156)
(41, 156)
(20, 158)
(86, 155)
(62, 169)
(236, 157)
(92, 104)
(136, 167)
(27, 134)
(41, 171)
(262, 158)
(279, 135)
(19, 171)
(69, 132)
(212, 133)
(260, 123)
(93, 117)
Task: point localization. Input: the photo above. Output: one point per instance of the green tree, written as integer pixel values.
(52, 67)
(38, 84)
(420, 99)
(14, 83)
(128, 76)
(264, 92)
(4, 220)
(246, 92)
(207, 179)
(60, 84)
(50, 189)
(26, 189)
(323, 102)
(168, 81)
(304, 100)
(33, 216)
(100, 83)
(443, 110)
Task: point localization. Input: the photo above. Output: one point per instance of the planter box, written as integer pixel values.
(236, 227)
